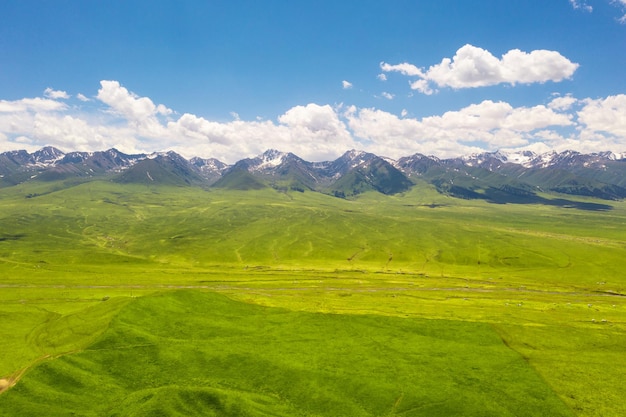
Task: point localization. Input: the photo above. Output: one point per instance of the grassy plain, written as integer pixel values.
(414, 304)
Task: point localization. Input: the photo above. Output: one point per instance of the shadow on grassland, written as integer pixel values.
(505, 196)
(4, 238)
(190, 353)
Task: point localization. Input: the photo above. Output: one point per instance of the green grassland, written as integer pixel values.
(135, 300)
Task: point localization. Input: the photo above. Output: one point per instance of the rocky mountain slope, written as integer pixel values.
(498, 177)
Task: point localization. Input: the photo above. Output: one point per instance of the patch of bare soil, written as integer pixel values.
(4, 384)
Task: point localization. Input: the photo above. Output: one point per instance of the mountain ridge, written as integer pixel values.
(498, 176)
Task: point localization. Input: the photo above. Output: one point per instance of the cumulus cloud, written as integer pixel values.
(604, 116)
(382, 77)
(140, 112)
(55, 94)
(562, 103)
(121, 119)
(30, 104)
(494, 124)
(319, 123)
(82, 97)
(387, 95)
(404, 69)
(489, 115)
(476, 67)
(346, 84)
(69, 132)
(128, 104)
(392, 136)
(312, 131)
(40, 123)
(422, 86)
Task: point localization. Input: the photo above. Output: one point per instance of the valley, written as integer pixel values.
(312, 209)
(195, 300)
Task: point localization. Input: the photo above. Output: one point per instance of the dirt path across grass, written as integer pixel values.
(8, 382)
(362, 289)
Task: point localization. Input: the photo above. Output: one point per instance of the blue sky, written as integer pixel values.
(230, 79)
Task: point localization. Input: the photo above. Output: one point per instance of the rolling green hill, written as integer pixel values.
(189, 353)
(404, 304)
(162, 170)
(238, 179)
(378, 175)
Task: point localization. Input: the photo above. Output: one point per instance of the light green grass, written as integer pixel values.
(543, 278)
(137, 229)
(187, 352)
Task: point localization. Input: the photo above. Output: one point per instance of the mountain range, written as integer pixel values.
(498, 177)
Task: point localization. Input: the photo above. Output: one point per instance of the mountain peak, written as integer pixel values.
(46, 156)
(353, 154)
(270, 159)
(500, 174)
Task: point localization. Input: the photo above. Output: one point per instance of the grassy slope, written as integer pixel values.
(187, 352)
(539, 275)
(100, 223)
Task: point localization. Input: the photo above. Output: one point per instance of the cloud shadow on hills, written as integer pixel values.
(498, 196)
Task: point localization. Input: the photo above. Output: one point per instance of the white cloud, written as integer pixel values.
(321, 123)
(128, 104)
(422, 86)
(495, 124)
(581, 5)
(198, 128)
(82, 97)
(489, 115)
(68, 132)
(606, 117)
(476, 67)
(162, 110)
(621, 4)
(562, 103)
(550, 136)
(346, 84)
(404, 69)
(389, 135)
(31, 104)
(312, 131)
(382, 77)
(315, 132)
(387, 95)
(140, 112)
(527, 119)
(55, 94)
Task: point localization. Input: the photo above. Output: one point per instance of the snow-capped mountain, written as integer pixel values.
(211, 169)
(348, 161)
(46, 156)
(499, 176)
(529, 159)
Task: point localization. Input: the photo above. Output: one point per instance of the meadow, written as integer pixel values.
(135, 300)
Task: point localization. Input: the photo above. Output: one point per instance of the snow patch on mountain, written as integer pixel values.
(45, 157)
(270, 159)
